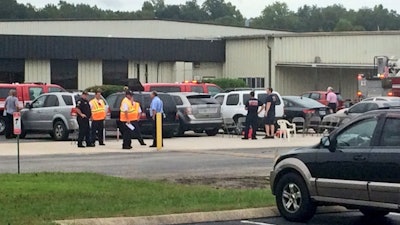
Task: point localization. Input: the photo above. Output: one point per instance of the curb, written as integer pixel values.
(185, 218)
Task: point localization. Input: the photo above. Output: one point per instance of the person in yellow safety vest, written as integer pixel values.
(129, 116)
(98, 108)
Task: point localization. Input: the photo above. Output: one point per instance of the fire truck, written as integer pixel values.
(384, 80)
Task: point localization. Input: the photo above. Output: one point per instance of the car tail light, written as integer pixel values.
(390, 93)
(108, 112)
(359, 93)
(308, 111)
(73, 112)
(188, 111)
(143, 116)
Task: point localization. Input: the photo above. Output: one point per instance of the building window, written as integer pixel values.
(65, 73)
(12, 70)
(115, 72)
(254, 82)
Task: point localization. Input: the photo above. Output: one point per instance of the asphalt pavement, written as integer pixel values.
(348, 218)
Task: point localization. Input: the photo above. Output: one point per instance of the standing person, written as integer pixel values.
(252, 107)
(331, 97)
(84, 114)
(126, 116)
(269, 116)
(135, 121)
(98, 108)
(156, 106)
(10, 106)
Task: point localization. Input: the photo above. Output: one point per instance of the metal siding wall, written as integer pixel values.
(90, 73)
(37, 71)
(336, 49)
(246, 58)
(208, 70)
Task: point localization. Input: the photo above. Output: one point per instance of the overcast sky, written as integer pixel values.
(249, 8)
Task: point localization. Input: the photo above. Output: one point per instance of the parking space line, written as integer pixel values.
(255, 223)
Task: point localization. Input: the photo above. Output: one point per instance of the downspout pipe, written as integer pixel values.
(269, 61)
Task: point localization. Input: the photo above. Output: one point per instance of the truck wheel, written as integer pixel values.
(373, 212)
(60, 131)
(293, 199)
(2, 125)
(212, 132)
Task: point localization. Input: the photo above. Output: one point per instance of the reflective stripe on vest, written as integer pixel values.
(133, 111)
(98, 110)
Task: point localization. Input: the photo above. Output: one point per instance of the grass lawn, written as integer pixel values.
(43, 197)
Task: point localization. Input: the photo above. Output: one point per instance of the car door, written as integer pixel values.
(31, 116)
(384, 163)
(49, 110)
(341, 173)
(231, 107)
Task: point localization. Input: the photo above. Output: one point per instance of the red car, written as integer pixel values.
(320, 96)
(187, 86)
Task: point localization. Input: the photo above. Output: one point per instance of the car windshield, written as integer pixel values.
(201, 99)
(305, 102)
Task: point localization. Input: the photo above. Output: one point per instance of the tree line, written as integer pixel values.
(274, 16)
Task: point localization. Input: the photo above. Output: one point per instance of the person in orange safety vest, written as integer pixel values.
(99, 112)
(130, 112)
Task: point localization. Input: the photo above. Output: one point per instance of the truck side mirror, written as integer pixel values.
(28, 105)
(327, 142)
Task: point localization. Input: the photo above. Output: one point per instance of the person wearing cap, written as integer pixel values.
(129, 116)
(84, 114)
(98, 108)
(331, 97)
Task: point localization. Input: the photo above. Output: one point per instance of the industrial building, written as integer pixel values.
(81, 53)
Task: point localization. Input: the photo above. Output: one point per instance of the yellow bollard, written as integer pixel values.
(159, 130)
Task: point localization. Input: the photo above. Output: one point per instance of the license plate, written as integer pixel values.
(209, 110)
(322, 113)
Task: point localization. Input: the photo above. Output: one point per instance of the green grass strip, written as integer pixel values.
(33, 199)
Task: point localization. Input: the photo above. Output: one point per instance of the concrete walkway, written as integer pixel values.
(198, 143)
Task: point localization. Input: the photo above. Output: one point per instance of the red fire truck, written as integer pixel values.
(384, 81)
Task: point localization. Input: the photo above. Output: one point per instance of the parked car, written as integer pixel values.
(170, 122)
(198, 112)
(320, 96)
(233, 104)
(383, 98)
(52, 113)
(345, 115)
(356, 166)
(296, 106)
(187, 86)
(26, 92)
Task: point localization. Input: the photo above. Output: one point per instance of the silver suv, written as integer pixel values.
(198, 112)
(356, 166)
(52, 113)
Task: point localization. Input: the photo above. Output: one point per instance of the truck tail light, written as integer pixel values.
(143, 116)
(390, 93)
(108, 112)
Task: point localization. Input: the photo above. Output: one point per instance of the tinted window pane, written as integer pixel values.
(55, 89)
(357, 135)
(168, 102)
(246, 98)
(232, 99)
(115, 72)
(391, 133)
(64, 73)
(262, 97)
(12, 70)
(39, 102)
(51, 101)
(315, 96)
(212, 90)
(4, 92)
(178, 100)
(197, 89)
(165, 89)
(68, 99)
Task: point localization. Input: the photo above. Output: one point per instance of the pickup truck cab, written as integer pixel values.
(192, 86)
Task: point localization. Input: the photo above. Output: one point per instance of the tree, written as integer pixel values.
(191, 11)
(218, 9)
(276, 16)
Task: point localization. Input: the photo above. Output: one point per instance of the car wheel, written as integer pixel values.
(293, 199)
(23, 132)
(212, 132)
(2, 125)
(60, 131)
(373, 212)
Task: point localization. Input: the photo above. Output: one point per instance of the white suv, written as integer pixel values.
(233, 103)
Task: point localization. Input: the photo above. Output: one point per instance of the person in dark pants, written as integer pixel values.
(10, 106)
(253, 109)
(129, 112)
(156, 106)
(269, 116)
(84, 114)
(137, 133)
(99, 113)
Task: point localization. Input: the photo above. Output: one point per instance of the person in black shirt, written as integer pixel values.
(269, 116)
(84, 114)
(252, 107)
